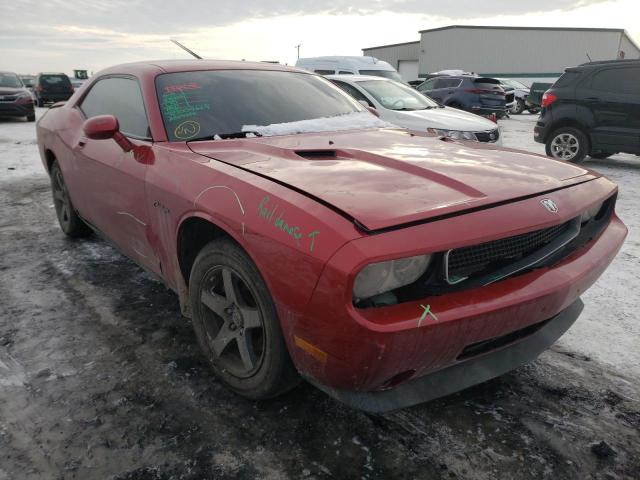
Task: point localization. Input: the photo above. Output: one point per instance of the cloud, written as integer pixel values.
(171, 17)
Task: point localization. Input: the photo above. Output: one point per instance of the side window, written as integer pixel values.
(325, 72)
(429, 84)
(120, 97)
(617, 80)
(342, 72)
(353, 91)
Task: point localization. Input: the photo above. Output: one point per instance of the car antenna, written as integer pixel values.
(186, 49)
(587, 54)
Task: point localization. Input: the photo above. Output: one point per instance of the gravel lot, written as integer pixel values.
(100, 376)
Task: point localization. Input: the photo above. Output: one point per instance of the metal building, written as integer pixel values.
(526, 53)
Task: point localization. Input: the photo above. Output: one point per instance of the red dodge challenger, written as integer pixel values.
(305, 237)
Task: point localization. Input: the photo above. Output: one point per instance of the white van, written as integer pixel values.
(349, 66)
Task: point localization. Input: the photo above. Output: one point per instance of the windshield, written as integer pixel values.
(514, 83)
(10, 80)
(396, 96)
(390, 74)
(223, 102)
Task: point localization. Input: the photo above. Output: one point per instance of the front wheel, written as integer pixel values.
(236, 323)
(70, 223)
(568, 144)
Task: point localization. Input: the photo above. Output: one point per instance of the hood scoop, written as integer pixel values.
(316, 154)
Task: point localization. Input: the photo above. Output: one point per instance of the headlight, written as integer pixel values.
(453, 134)
(590, 213)
(382, 277)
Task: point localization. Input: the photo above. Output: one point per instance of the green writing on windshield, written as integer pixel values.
(268, 213)
(176, 105)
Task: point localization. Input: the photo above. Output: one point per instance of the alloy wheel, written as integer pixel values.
(61, 200)
(565, 146)
(233, 322)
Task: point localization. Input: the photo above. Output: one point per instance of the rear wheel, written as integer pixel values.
(518, 107)
(568, 144)
(39, 102)
(70, 223)
(236, 323)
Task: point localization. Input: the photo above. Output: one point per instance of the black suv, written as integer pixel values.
(592, 109)
(52, 87)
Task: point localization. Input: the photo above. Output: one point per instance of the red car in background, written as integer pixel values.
(304, 236)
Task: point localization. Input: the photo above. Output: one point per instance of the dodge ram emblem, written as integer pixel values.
(549, 205)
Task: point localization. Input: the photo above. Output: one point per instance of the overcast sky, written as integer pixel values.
(61, 35)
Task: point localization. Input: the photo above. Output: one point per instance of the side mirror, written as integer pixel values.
(102, 127)
(105, 127)
(373, 111)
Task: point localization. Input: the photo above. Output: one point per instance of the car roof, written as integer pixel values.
(190, 65)
(629, 61)
(368, 62)
(358, 78)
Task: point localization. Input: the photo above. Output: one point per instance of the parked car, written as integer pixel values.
(51, 88)
(401, 105)
(521, 93)
(384, 266)
(339, 65)
(593, 109)
(15, 99)
(534, 100)
(27, 81)
(480, 95)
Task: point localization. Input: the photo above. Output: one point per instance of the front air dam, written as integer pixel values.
(464, 374)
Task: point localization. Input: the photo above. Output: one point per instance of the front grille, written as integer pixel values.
(467, 261)
(491, 136)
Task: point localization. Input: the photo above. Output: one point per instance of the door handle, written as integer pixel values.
(82, 142)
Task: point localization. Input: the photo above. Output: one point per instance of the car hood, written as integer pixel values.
(386, 178)
(446, 118)
(11, 90)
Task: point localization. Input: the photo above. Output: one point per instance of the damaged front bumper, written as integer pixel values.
(463, 375)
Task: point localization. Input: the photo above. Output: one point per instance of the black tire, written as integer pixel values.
(70, 223)
(534, 110)
(39, 102)
(600, 155)
(568, 144)
(236, 323)
(501, 115)
(31, 118)
(518, 107)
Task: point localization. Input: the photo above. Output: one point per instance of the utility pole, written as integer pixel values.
(298, 47)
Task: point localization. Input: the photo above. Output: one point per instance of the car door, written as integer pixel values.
(109, 181)
(613, 96)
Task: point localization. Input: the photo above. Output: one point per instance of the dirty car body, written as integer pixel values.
(401, 267)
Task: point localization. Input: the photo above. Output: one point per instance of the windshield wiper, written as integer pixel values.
(226, 136)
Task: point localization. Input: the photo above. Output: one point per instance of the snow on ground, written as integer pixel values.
(608, 330)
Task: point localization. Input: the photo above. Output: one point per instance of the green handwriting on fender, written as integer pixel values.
(268, 213)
